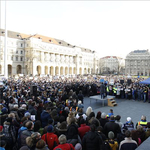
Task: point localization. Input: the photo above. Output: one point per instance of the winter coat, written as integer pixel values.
(112, 126)
(91, 141)
(51, 140)
(24, 135)
(65, 146)
(83, 129)
(45, 116)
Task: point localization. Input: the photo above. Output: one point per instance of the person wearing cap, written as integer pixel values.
(128, 143)
(112, 126)
(50, 138)
(129, 124)
(113, 144)
(63, 144)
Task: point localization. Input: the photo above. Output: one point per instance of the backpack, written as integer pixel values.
(105, 146)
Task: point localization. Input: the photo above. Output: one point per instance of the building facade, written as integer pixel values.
(112, 65)
(137, 62)
(41, 55)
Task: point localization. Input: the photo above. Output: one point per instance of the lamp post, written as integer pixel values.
(5, 48)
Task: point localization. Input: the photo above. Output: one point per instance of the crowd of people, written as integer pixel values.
(52, 116)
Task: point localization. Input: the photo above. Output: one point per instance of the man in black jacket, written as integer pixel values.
(92, 140)
(112, 126)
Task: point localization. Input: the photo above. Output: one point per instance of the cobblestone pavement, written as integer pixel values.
(125, 108)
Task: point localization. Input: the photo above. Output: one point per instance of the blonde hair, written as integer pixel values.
(31, 139)
(12, 115)
(89, 110)
(62, 139)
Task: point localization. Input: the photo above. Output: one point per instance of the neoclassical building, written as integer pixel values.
(137, 62)
(41, 55)
(111, 65)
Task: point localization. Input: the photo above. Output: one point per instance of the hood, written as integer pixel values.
(92, 135)
(23, 128)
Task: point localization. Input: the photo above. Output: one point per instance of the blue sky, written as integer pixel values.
(108, 27)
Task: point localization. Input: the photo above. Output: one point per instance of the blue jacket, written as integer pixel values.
(45, 116)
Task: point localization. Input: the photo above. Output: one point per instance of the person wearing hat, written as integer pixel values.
(129, 124)
(113, 144)
(50, 138)
(63, 144)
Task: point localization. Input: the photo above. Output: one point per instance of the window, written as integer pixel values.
(21, 45)
(16, 52)
(21, 58)
(12, 58)
(16, 58)
(21, 52)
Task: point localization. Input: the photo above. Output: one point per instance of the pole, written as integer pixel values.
(5, 48)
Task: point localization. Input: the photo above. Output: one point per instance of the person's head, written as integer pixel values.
(72, 120)
(50, 129)
(103, 115)
(118, 117)
(111, 110)
(100, 129)
(93, 127)
(129, 120)
(79, 102)
(62, 139)
(2, 143)
(32, 140)
(29, 125)
(98, 116)
(37, 125)
(143, 118)
(27, 114)
(92, 114)
(127, 133)
(112, 118)
(139, 128)
(111, 135)
(78, 146)
(12, 115)
(40, 144)
(82, 121)
(16, 106)
(89, 110)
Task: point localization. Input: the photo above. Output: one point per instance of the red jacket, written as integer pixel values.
(65, 146)
(82, 130)
(51, 140)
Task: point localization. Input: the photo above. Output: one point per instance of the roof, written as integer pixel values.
(10, 34)
(106, 57)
